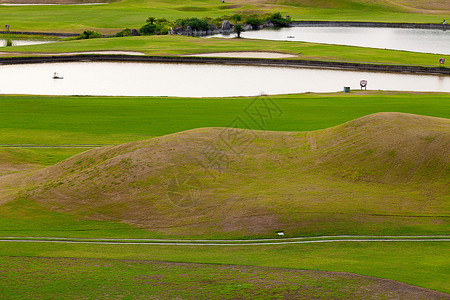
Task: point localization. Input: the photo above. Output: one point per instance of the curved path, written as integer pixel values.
(250, 242)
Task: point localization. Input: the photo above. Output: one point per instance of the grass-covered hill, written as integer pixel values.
(386, 173)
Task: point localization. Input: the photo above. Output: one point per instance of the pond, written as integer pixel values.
(417, 40)
(20, 42)
(196, 80)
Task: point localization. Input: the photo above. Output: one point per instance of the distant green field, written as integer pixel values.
(110, 18)
(114, 120)
(179, 45)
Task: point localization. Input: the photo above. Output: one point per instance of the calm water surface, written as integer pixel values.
(188, 80)
(417, 40)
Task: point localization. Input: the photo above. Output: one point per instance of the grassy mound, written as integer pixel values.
(386, 173)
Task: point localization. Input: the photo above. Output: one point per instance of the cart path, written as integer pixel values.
(250, 242)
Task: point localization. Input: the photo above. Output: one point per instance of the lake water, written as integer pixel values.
(417, 40)
(23, 42)
(189, 80)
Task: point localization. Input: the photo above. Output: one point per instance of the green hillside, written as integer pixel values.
(385, 173)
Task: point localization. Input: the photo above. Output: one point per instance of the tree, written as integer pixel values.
(151, 20)
(89, 34)
(238, 29)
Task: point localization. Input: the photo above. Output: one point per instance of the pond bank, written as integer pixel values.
(292, 24)
(229, 61)
(369, 24)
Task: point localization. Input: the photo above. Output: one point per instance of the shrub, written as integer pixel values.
(254, 20)
(125, 32)
(194, 23)
(236, 18)
(156, 26)
(163, 21)
(148, 29)
(89, 34)
(278, 20)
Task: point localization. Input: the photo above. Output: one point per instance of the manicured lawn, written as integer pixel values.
(423, 264)
(114, 120)
(69, 278)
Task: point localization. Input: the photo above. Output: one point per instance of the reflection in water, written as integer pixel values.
(189, 80)
(417, 40)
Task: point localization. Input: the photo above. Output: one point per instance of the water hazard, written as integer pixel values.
(12, 42)
(190, 80)
(417, 40)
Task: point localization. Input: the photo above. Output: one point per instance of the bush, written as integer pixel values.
(125, 32)
(156, 26)
(89, 34)
(194, 23)
(254, 20)
(163, 21)
(148, 29)
(236, 18)
(278, 20)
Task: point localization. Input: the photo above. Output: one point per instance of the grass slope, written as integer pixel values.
(110, 18)
(387, 173)
(179, 45)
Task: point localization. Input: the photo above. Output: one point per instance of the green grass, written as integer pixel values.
(97, 278)
(178, 45)
(31, 37)
(27, 218)
(423, 264)
(115, 120)
(37, 156)
(110, 18)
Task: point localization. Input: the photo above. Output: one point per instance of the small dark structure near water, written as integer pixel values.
(363, 84)
(56, 76)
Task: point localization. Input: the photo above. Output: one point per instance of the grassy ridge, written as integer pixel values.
(110, 18)
(179, 45)
(375, 171)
